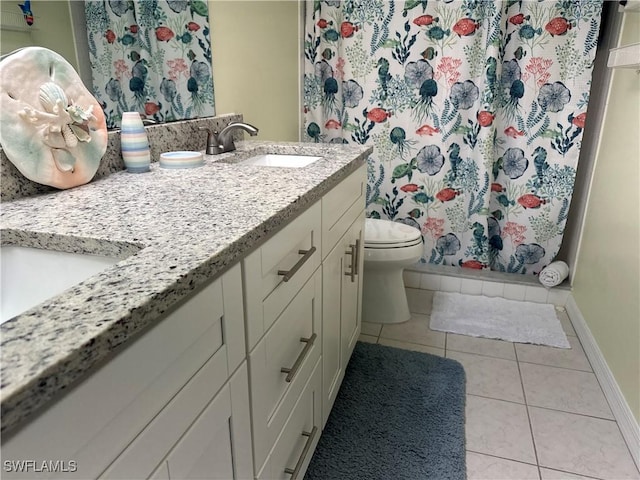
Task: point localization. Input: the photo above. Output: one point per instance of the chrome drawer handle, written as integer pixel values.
(289, 273)
(310, 436)
(355, 254)
(291, 372)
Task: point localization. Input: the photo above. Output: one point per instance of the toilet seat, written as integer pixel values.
(383, 234)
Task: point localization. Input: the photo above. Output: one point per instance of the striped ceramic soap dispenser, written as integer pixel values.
(134, 143)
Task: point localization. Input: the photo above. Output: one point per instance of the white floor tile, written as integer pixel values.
(471, 286)
(563, 389)
(558, 297)
(492, 289)
(412, 279)
(430, 281)
(412, 346)
(481, 346)
(416, 330)
(535, 294)
(565, 322)
(420, 301)
(573, 357)
(499, 428)
(548, 474)
(490, 377)
(450, 284)
(486, 467)
(566, 415)
(367, 338)
(513, 291)
(582, 445)
(369, 328)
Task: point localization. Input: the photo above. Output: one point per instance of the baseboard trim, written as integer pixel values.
(619, 406)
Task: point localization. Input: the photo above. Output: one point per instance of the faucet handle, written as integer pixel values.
(213, 147)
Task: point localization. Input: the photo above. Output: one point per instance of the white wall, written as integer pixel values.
(51, 29)
(255, 64)
(607, 274)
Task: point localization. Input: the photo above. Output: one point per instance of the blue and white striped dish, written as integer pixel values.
(181, 159)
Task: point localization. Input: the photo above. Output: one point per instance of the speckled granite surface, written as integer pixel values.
(183, 135)
(175, 229)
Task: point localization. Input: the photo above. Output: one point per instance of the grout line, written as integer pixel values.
(556, 366)
(526, 403)
(542, 408)
(574, 413)
(573, 473)
(482, 354)
(503, 458)
(494, 398)
(411, 343)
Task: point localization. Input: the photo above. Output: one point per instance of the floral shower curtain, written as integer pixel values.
(151, 56)
(475, 109)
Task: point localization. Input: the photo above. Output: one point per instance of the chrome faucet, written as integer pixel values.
(222, 142)
(213, 148)
(225, 138)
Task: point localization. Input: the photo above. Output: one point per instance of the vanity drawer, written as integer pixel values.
(293, 343)
(268, 290)
(297, 441)
(341, 206)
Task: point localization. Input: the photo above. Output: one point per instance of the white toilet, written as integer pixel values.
(389, 247)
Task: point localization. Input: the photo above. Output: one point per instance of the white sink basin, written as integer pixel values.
(32, 275)
(281, 160)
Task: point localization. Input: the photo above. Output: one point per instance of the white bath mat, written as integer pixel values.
(515, 321)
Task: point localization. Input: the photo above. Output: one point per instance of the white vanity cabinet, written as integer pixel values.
(123, 420)
(237, 381)
(343, 235)
(283, 298)
(302, 295)
(341, 295)
(216, 446)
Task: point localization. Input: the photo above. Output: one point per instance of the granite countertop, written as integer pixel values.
(175, 230)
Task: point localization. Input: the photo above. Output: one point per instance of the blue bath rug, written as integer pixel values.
(398, 415)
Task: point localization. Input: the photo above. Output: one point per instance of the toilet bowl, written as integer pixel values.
(389, 247)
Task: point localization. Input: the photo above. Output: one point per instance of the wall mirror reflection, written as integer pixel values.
(153, 57)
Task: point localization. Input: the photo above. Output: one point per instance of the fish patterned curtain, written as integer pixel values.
(475, 109)
(151, 56)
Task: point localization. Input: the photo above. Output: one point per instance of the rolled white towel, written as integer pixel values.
(554, 274)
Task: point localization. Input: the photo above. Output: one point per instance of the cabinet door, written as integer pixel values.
(351, 299)
(161, 473)
(205, 450)
(215, 447)
(341, 305)
(333, 268)
(194, 433)
(101, 417)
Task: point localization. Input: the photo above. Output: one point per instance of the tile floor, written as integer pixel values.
(533, 412)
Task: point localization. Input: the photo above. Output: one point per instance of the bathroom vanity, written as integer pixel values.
(215, 347)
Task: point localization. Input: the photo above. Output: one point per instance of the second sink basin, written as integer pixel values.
(281, 160)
